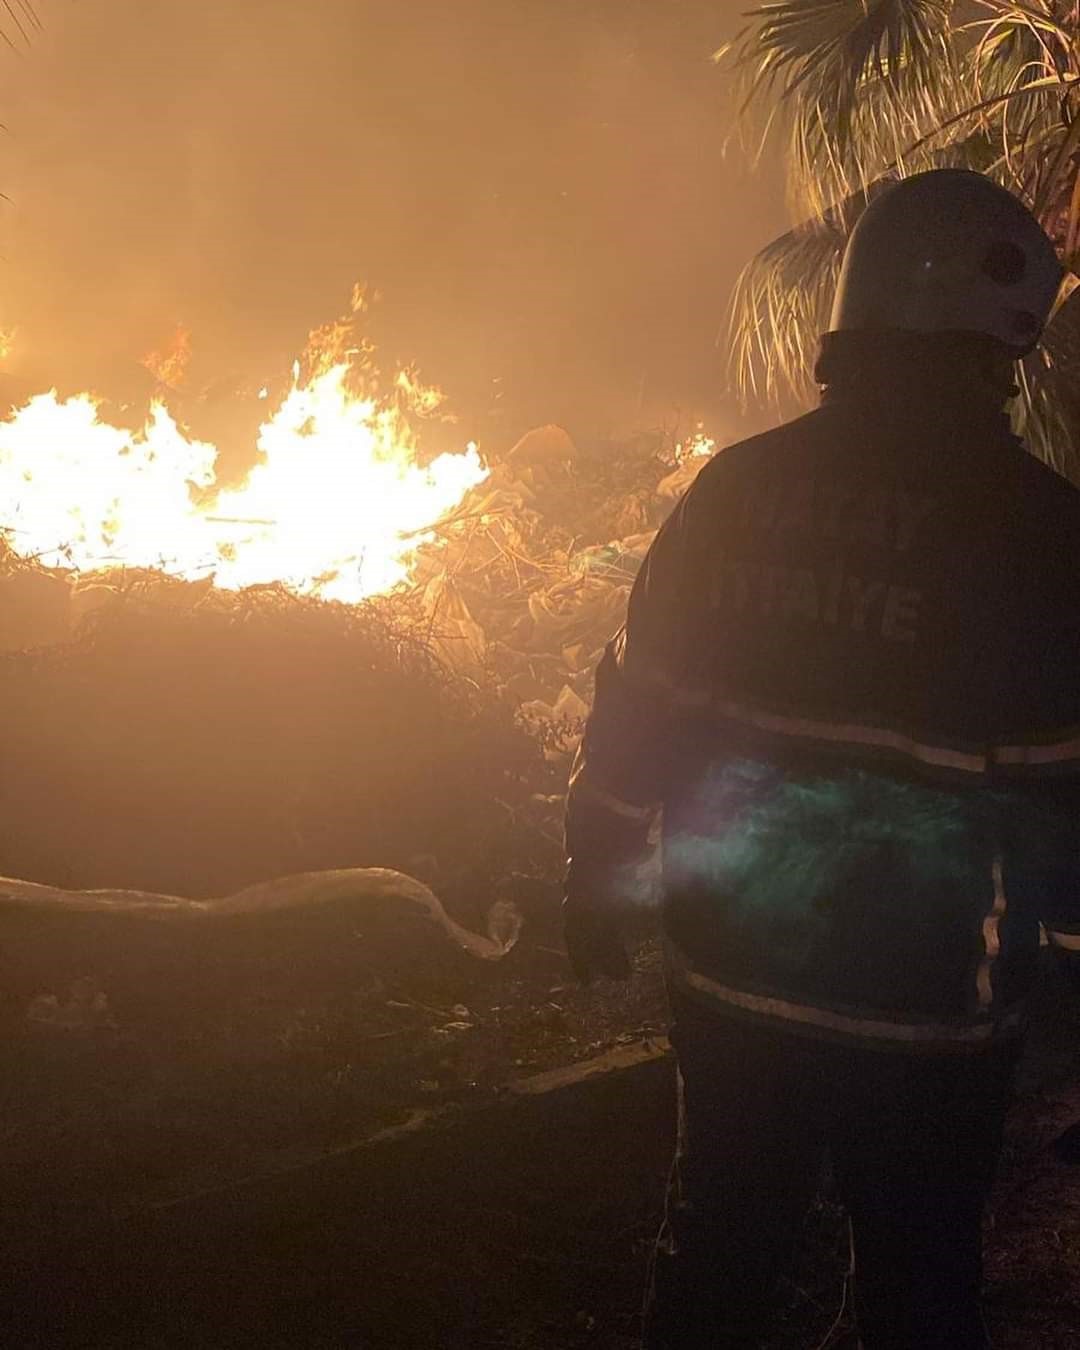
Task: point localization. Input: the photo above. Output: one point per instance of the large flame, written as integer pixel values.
(335, 505)
(338, 499)
(77, 492)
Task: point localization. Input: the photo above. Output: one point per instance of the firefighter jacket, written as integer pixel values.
(847, 698)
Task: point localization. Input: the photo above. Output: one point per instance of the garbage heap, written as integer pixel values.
(526, 581)
(175, 737)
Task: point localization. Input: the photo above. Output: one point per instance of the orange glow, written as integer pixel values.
(695, 446)
(335, 505)
(169, 367)
(339, 495)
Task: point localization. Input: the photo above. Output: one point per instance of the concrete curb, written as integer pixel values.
(619, 1059)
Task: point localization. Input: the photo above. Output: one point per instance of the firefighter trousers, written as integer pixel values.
(912, 1139)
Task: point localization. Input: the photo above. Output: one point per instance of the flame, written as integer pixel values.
(338, 501)
(335, 506)
(697, 446)
(80, 493)
(169, 367)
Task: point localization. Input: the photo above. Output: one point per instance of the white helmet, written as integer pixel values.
(948, 251)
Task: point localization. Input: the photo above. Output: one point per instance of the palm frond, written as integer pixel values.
(781, 306)
(1025, 77)
(1039, 29)
(854, 79)
(1045, 422)
(1047, 414)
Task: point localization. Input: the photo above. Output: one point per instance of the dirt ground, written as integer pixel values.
(309, 1142)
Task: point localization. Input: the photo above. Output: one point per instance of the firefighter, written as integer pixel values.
(846, 700)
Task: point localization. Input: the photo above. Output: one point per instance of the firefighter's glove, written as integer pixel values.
(594, 942)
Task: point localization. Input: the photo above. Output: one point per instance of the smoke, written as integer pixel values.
(537, 190)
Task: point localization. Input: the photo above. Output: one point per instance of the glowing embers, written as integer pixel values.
(335, 506)
(696, 446)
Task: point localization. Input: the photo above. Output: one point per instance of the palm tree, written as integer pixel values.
(866, 91)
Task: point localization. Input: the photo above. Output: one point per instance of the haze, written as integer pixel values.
(538, 191)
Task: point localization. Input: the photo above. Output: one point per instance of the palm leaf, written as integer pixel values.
(780, 307)
(854, 79)
(1047, 414)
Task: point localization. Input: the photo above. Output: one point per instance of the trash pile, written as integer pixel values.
(331, 769)
(174, 736)
(517, 589)
(528, 579)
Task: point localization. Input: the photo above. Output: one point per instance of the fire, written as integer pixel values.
(170, 365)
(76, 492)
(697, 446)
(335, 505)
(338, 500)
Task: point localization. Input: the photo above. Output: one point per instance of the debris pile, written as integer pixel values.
(164, 738)
(192, 741)
(529, 577)
(173, 736)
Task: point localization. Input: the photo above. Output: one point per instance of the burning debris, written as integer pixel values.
(357, 658)
(176, 736)
(520, 568)
(529, 578)
(338, 499)
(172, 736)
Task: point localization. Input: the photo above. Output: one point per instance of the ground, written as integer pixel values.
(325, 1145)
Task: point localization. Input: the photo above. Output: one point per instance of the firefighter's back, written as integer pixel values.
(885, 608)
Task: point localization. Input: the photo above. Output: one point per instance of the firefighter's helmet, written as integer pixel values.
(948, 251)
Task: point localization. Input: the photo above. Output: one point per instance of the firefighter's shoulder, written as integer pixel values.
(784, 451)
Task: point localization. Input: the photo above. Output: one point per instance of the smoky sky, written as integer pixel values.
(537, 188)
